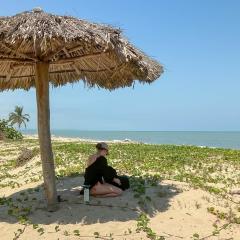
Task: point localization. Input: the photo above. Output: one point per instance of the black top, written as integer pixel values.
(98, 170)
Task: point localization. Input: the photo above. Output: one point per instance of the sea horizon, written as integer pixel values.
(218, 139)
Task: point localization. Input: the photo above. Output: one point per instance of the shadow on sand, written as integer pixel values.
(73, 210)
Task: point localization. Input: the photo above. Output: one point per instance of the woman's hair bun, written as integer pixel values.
(102, 145)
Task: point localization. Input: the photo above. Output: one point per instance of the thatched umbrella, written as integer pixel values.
(37, 48)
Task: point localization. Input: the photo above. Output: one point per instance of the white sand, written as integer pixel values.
(176, 211)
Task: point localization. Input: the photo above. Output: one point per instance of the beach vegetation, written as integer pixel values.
(8, 132)
(212, 170)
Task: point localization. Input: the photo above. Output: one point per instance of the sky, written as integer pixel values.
(197, 42)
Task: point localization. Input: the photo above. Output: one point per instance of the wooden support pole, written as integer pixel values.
(42, 94)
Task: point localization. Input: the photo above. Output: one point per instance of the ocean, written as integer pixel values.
(198, 138)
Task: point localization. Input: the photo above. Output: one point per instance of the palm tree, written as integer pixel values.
(17, 117)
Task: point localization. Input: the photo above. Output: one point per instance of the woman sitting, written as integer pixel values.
(101, 178)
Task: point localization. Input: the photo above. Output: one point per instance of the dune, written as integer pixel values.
(171, 210)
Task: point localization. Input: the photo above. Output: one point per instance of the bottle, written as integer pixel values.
(86, 193)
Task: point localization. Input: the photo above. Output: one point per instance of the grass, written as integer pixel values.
(201, 167)
(214, 170)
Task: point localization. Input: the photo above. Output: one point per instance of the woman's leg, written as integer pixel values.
(105, 190)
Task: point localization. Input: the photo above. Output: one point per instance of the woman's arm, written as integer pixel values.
(90, 160)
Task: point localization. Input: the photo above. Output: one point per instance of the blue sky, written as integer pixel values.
(198, 42)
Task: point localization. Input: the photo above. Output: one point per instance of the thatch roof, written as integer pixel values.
(76, 50)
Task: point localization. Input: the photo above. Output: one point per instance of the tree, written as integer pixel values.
(17, 117)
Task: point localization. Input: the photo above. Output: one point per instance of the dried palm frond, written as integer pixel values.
(76, 49)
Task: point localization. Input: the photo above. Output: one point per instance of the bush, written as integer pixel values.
(8, 131)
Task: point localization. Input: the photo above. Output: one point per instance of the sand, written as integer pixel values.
(176, 211)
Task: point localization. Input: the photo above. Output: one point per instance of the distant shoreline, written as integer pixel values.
(126, 141)
(77, 139)
(226, 140)
(167, 131)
